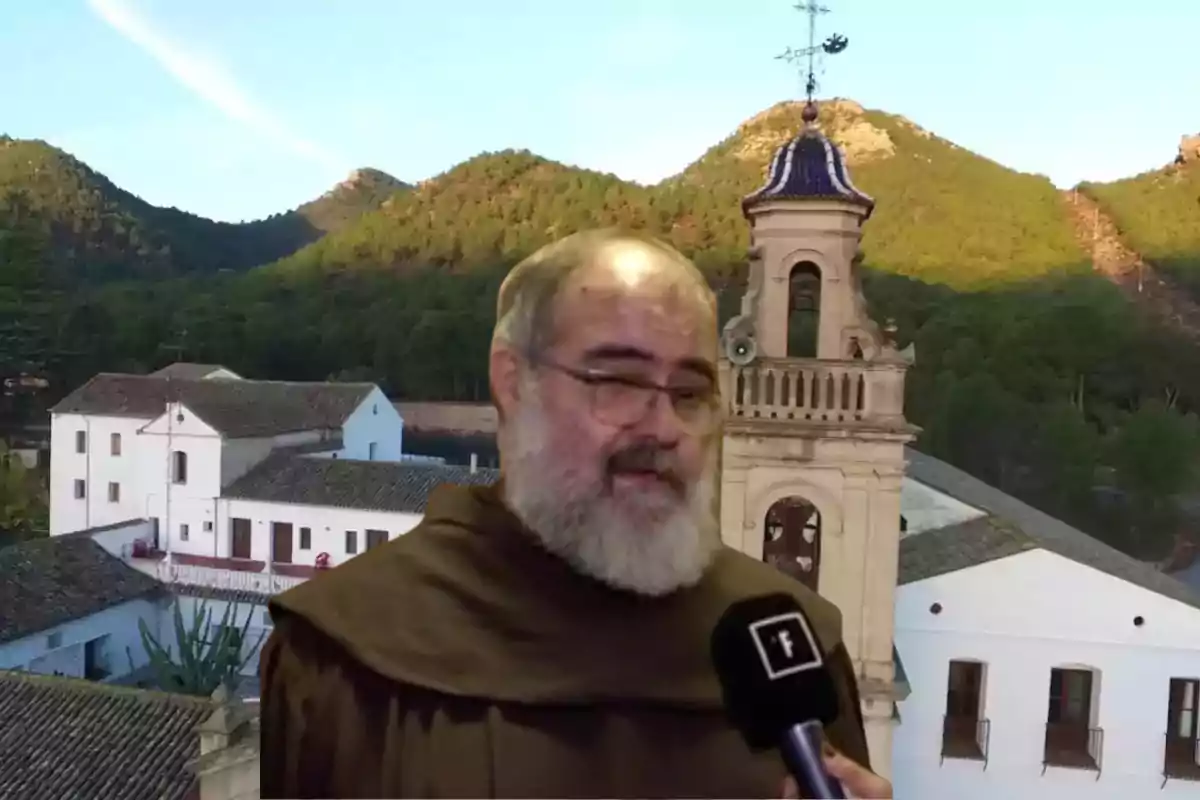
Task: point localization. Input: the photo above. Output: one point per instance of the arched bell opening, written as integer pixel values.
(804, 310)
(792, 539)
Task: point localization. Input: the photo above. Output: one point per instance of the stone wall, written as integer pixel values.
(228, 766)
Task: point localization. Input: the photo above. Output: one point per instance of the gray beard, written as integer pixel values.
(651, 544)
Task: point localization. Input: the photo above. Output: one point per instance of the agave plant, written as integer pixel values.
(204, 656)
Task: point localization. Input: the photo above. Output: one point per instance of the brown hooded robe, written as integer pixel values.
(464, 660)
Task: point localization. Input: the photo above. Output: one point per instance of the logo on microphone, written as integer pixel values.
(785, 645)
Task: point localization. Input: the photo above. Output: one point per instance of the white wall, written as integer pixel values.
(175, 505)
(117, 540)
(119, 623)
(328, 526)
(97, 467)
(375, 420)
(1022, 616)
(927, 509)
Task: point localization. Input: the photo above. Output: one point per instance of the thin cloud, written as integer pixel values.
(208, 79)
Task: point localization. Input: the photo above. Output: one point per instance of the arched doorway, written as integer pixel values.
(792, 539)
(804, 310)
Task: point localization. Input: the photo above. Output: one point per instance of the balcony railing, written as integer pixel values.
(233, 580)
(1073, 746)
(1181, 758)
(808, 390)
(966, 738)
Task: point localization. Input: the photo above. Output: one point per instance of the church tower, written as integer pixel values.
(813, 451)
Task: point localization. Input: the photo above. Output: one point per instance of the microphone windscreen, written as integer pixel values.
(772, 669)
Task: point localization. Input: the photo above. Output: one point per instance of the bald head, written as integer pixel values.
(603, 370)
(606, 262)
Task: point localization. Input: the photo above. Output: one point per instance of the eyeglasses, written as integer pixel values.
(621, 400)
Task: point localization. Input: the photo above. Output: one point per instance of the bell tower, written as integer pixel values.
(813, 451)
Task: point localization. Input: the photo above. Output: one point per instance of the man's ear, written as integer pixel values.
(504, 378)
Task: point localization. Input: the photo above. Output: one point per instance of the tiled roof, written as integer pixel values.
(46, 582)
(235, 408)
(67, 738)
(186, 370)
(341, 483)
(809, 167)
(1012, 527)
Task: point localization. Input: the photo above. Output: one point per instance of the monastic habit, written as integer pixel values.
(463, 660)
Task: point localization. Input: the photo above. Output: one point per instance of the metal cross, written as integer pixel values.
(807, 56)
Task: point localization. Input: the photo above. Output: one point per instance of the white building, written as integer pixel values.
(69, 608)
(162, 447)
(1037, 662)
(1042, 663)
(228, 488)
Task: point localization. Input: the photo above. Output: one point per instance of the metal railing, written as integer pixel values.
(1074, 746)
(1181, 758)
(966, 738)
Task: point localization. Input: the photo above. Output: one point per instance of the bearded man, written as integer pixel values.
(548, 636)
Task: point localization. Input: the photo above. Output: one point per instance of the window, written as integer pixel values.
(351, 542)
(306, 538)
(1071, 740)
(114, 444)
(114, 492)
(183, 531)
(1182, 755)
(208, 526)
(80, 489)
(964, 731)
(54, 640)
(376, 538)
(266, 620)
(371, 446)
(179, 467)
(80, 441)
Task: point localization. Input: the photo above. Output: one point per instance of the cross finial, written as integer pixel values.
(806, 57)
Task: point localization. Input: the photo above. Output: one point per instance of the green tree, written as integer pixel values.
(1154, 453)
(24, 500)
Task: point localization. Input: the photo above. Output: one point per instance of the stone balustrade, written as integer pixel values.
(234, 580)
(812, 390)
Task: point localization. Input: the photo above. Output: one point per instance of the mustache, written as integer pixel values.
(647, 458)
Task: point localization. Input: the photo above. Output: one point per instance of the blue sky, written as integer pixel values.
(236, 109)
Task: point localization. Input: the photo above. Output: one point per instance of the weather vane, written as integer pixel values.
(807, 56)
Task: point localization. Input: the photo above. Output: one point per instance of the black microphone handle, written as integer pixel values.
(801, 748)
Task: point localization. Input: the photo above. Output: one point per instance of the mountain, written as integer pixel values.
(365, 190)
(945, 214)
(1158, 214)
(1051, 363)
(97, 230)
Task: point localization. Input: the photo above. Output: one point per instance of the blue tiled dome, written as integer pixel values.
(809, 167)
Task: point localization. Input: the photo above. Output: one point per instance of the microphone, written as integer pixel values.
(777, 689)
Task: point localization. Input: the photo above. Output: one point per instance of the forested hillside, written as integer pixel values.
(97, 231)
(1158, 213)
(1033, 373)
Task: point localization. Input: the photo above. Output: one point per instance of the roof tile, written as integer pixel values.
(235, 408)
(46, 582)
(340, 483)
(63, 737)
(1012, 527)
